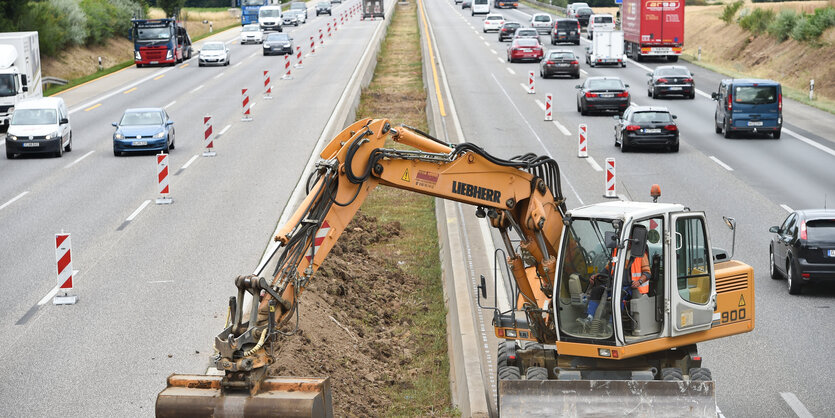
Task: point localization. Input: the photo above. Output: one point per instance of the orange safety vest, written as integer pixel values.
(639, 267)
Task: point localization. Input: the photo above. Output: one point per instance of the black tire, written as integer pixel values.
(700, 374)
(536, 373)
(672, 58)
(116, 153)
(775, 274)
(583, 111)
(9, 155)
(227, 63)
(60, 152)
(624, 146)
(671, 374)
(199, 64)
(649, 93)
(726, 130)
(577, 42)
(793, 278)
(501, 353)
(68, 148)
(509, 373)
(674, 148)
(716, 125)
(776, 134)
(577, 75)
(692, 95)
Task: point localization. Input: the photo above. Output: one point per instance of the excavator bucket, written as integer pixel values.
(203, 396)
(606, 398)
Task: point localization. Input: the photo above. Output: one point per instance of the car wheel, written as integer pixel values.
(484, 30)
(792, 279)
(772, 267)
(116, 153)
(649, 93)
(776, 134)
(173, 142)
(692, 95)
(716, 125)
(655, 94)
(577, 42)
(60, 152)
(199, 64)
(726, 129)
(583, 110)
(9, 155)
(674, 148)
(624, 145)
(68, 148)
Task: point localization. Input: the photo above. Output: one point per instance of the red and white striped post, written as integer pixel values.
(334, 24)
(63, 260)
(583, 148)
(321, 39)
(312, 47)
(329, 29)
(245, 106)
(298, 63)
(548, 112)
(208, 137)
(162, 180)
(287, 75)
(531, 89)
(610, 179)
(268, 87)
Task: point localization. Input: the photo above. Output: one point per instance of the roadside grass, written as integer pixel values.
(542, 8)
(54, 89)
(397, 93)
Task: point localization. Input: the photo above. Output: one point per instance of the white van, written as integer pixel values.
(480, 7)
(600, 22)
(269, 18)
(39, 126)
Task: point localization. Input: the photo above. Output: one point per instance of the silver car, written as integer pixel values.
(290, 18)
(214, 53)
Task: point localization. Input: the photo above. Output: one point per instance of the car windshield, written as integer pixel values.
(526, 32)
(34, 117)
(542, 18)
(567, 24)
(213, 46)
(7, 85)
(651, 117)
(584, 253)
(821, 230)
(251, 29)
(603, 19)
(299, 6)
(277, 37)
(323, 4)
(604, 84)
(151, 117)
(147, 34)
(527, 42)
(252, 2)
(511, 25)
(561, 56)
(755, 94)
(584, 11)
(673, 71)
(269, 13)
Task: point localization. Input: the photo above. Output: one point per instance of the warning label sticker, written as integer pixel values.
(426, 179)
(405, 176)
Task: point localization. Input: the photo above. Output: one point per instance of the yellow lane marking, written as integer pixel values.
(184, 65)
(129, 90)
(432, 60)
(159, 76)
(92, 107)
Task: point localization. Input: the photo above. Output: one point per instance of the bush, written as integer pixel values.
(781, 27)
(757, 21)
(810, 27)
(729, 11)
(50, 23)
(106, 18)
(75, 18)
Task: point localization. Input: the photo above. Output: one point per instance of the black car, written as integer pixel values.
(508, 30)
(278, 43)
(560, 62)
(600, 94)
(646, 126)
(323, 7)
(803, 248)
(566, 30)
(583, 16)
(466, 3)
(671, 80)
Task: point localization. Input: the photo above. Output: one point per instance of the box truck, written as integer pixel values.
(653, 28)
(20, 72)
(606, 49)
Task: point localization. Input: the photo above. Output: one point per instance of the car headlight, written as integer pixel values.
(161, 134)
(137, 56)
(53, 135)
(12, 137)
(266, 45)
(118, 135)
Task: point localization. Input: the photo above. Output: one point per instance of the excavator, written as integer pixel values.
(581, 336)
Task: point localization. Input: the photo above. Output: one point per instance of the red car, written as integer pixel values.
(524, 49)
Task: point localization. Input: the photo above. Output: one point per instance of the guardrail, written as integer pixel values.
(53, 80)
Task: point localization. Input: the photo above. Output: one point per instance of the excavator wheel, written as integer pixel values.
(509, 373)
(536, 373)
(502, 354)
(700, 374)
(671, 374)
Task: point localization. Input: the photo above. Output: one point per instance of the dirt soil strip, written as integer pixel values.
(373, 318)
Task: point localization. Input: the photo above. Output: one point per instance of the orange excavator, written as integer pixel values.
(577, 338)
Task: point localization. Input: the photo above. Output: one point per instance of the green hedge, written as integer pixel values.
(757, 21)
(729, 11)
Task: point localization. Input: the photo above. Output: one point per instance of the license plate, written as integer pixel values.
(562, 65)
(675, 88)
(526, 50)
(561, 33)
(31, 144)
(154, 62)
(607, 95)
(755, 123)
(830, 253)
(652, 131)
(139, 143)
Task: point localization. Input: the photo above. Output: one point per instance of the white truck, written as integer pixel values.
(20, 72)
(606, 49)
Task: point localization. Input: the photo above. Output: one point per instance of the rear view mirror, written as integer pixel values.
(483, 287)
(774, 229)
(616, 117)
(675, 117)
(714, 96)
(626, 85)
(578, 87)
(610, 239)
(169, 123)
(115, 124)
(649, 74)
(731, 222)
(23, 81)
(639, 241)
(64, 121)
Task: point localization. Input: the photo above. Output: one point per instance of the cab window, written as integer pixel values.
(692, 260)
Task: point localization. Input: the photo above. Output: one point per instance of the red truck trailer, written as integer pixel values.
(653, 28)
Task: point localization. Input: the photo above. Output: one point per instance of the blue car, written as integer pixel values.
(146, 129)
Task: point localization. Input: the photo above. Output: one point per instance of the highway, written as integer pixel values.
(153, 280)
(779, 368)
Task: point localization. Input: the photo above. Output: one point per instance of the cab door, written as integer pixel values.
(692, 287)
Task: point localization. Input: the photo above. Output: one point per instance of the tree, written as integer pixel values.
(170, 7)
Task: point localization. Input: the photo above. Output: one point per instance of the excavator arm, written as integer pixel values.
(520, 196)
